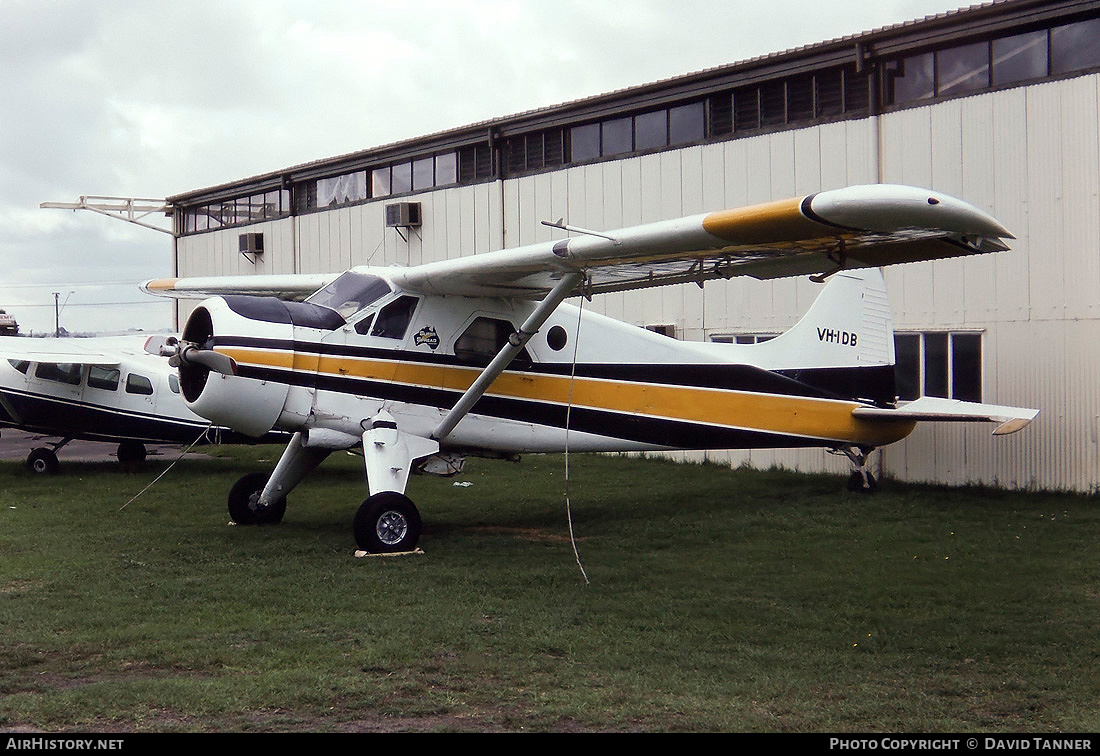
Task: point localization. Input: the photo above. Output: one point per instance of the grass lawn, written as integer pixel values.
(718, 600)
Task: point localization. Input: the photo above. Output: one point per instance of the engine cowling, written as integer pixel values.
(247, 401)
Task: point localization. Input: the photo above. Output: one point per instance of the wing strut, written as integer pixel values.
(507, 353)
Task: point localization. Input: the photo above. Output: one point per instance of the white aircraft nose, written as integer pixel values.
(890, 208)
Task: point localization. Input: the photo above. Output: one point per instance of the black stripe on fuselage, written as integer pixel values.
(870, 384)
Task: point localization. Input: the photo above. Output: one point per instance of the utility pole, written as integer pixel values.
(56, 315)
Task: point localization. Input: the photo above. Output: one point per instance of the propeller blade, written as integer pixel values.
(208, 359)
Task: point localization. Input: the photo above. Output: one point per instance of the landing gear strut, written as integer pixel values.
(860, 479)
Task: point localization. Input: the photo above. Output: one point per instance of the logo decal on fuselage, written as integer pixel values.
(427, 335)
(833, 336)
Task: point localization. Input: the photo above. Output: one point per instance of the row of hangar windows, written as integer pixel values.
(837, 92)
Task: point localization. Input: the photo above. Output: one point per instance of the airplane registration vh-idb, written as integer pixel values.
(419, 366)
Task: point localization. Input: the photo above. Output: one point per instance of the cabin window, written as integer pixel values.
(21, 365)
(173, 383)
(941, 364)
(62, 372)
(138, 384)
(104, 378)
(393, 319)
(482, 341)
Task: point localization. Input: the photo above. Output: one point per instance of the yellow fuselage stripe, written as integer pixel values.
(769, 413)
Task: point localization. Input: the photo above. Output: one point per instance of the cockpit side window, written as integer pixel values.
(483, 338)
(393, 319)
(350, 293)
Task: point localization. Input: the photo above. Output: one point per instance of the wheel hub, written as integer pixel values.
(391, 527)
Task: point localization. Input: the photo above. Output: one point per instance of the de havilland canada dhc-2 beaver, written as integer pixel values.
(418, 366)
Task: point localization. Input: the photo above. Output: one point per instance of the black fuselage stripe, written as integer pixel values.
(875, 383)
(621, 425)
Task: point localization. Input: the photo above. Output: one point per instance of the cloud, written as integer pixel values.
(157, 98)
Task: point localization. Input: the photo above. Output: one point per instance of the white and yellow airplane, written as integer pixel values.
(479, 355)
(98, 389)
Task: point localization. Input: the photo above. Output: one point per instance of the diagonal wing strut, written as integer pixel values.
(561, 291)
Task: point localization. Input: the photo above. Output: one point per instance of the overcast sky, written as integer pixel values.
(146, 98)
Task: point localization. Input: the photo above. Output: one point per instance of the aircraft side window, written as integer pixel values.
(483, 338)
(173, 383)
(363, 326)
(62, 372)
(21, 365)
(138, 384)
(393, 319)
(105, 378)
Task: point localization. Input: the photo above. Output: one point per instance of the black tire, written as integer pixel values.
(855, 483)
(242, 502)
(42, 461)
(386, 523)
(131, 453)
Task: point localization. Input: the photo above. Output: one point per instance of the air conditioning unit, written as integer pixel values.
(251, 244)
(403, 214)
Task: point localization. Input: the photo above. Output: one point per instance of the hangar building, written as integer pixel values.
(998, 104)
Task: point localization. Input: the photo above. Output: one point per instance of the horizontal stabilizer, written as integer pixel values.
(930, 408)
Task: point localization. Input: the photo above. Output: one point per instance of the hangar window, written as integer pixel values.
(941, 364)
(534, 151)
(651, 130)
(1075, 47)
(1020, 57)
(417, 175)
(342, 190)
(742, 338)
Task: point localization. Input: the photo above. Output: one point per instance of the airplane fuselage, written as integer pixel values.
(615, 388)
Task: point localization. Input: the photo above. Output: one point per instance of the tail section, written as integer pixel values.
(848, 325)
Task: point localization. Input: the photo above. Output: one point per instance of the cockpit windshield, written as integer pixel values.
(350, 293)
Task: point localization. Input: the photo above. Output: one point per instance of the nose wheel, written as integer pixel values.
(387, 523)
(244, 506)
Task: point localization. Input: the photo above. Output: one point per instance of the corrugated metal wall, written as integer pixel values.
(1029, 155)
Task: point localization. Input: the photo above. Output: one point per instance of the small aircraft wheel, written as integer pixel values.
(387, 522)
(131, 452)
(855, 483)
(242, 502)
(42, 461)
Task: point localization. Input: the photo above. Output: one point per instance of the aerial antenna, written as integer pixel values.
(575, 230)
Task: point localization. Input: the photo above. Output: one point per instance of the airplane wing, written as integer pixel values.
(928, 408)
(70, 351)
(856, 227)
(293, 286)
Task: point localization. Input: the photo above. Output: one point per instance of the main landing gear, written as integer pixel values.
(386, 523)
(861, 479)
(43, 460)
